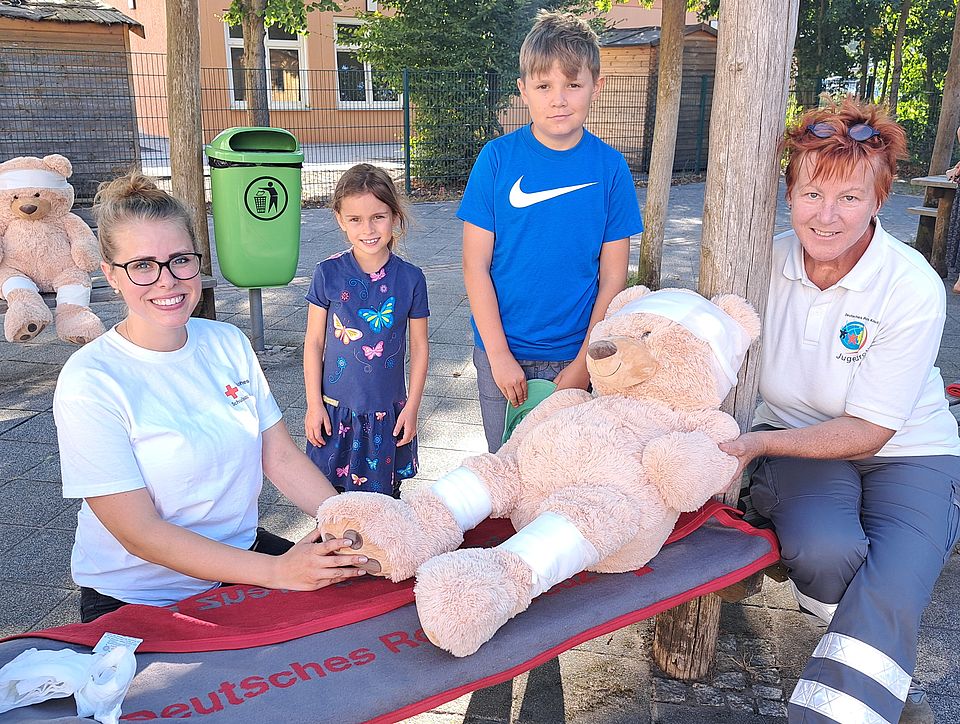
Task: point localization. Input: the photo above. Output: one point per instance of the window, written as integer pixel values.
(359, 85)
(285, 67)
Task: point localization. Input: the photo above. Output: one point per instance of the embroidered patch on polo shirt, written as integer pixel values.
(853, 336)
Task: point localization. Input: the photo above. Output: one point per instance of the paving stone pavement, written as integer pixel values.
(764, 640)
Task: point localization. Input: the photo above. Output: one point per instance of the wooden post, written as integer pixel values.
(186, 134)
(938, 247)
(924, 241)
(754, 50)
(950, 107)
(669, 78)
(254, 62)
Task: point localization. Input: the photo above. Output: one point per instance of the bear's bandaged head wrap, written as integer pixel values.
(31, 178)
(705, 321)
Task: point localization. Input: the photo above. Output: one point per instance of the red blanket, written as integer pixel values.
(237, 617)
(304, 650)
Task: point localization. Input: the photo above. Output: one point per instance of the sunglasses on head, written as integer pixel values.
(859, 132)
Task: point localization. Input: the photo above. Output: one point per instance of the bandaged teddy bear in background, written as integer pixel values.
(44, 248)
(590, 482)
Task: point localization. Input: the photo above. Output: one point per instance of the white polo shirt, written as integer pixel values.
(864, 347)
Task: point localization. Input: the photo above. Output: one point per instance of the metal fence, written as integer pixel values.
(108, 112)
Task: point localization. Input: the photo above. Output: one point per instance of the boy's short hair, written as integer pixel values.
(560, 38)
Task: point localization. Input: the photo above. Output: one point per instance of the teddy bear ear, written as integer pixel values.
(58, 163)
(624, 298)
(742, 312)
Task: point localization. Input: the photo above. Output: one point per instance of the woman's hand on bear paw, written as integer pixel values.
(313, 564)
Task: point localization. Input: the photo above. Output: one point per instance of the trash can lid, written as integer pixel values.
(537, 392)
(246, 144)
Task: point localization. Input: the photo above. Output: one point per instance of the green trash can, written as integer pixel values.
(255, 184)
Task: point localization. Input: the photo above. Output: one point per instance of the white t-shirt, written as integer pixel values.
(865, 347)
(186, 425)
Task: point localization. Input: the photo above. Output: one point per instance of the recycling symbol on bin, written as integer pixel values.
(265, 198)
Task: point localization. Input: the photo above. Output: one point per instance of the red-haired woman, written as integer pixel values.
(855, 451)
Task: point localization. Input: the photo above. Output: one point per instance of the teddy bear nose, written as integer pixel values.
(601, 349)
(28, 209)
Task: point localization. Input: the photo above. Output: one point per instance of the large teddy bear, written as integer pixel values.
(590, 482)
(44, 248)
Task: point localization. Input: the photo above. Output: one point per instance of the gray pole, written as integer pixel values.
(406, 130)
(256, 320)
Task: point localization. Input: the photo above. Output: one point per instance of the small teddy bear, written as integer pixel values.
(43, 248)
(590, 482)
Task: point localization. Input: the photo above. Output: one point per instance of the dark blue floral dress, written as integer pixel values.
(364, 381)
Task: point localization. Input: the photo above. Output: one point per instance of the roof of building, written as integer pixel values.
(649, 35)
(68, 11)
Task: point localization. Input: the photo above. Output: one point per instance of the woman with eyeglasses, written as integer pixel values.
(854, 451)
(166, 426)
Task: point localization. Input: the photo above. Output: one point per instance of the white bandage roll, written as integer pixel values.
(554, 549)
(74, 294)
(704, 320)
(98, 681)
(33, 178)
(465, 495)
(17, 283)
(107, 685)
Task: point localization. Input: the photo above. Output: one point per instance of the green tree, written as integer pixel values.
(255, 16)
(461, 58)
(925, 56)
(833, 38)
(895, 63)
(824, 30)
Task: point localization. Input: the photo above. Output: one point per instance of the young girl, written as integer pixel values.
(353, 357)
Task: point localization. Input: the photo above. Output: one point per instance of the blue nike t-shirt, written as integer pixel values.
(551, 212)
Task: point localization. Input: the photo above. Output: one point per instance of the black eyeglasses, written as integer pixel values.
(144, 272)
(859, 132)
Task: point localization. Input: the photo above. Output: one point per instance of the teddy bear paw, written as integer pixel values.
(23, 330)
(26, 317)
(464, 597)
(385, 530)
(77, 324)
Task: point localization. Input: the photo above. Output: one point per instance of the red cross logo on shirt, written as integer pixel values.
(231, 392)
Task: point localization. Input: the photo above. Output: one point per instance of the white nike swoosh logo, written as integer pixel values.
(520, 199)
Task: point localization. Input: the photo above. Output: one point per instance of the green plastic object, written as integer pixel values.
(537, 392)
(255, 184)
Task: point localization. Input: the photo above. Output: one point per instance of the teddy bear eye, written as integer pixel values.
(645, 334)
(15, 198)
(37, 195)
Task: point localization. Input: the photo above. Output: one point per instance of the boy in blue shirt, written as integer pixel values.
(548, 212)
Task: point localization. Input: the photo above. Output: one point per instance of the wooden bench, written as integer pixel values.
(930, 211)
(103, 292)
(934, 218)
(752, 584)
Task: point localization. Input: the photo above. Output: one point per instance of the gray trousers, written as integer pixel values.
(870, 536)
(493, 405)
